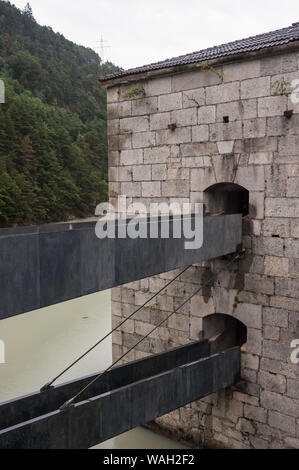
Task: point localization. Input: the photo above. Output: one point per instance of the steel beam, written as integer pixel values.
(43, 266)
(128, 397)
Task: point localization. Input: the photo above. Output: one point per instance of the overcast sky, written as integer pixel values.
(143, 31)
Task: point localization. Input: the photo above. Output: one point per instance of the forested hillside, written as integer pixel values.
(53, 150)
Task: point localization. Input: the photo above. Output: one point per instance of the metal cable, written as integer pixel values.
(49, 384)
(70, 402)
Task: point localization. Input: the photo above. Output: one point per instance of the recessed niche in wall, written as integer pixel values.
(225, 331)
(227, 198)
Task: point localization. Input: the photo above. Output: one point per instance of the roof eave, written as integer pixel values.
(137, 76)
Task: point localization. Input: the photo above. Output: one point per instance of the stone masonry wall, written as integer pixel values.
(259, 150)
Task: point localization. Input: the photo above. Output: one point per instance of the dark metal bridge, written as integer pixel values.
(42, 266)
(127, 397)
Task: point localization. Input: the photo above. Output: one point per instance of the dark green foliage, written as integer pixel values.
(53, 145)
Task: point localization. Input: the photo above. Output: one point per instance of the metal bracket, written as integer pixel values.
(46, 387)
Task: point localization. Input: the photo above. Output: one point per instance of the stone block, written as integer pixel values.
(202, 307)
(202, 178)
(254, 128)
(170, 102)
(268, 246)
(272, 333)
(249, 314)
(158, 86)
(295, 228)
(131, 189)
(261, 158)
(200, 133)
(241, 70)
(289, 145)
(198, 149)
(282, 422)
(144, 106)
(223, 131)
(195, 328)
(256, 205)
(293, 187)
(255, 88)
(193, 80)
(184, 117)
(293, 388)
(175, 189)
(275, 266)
(272, 106)
(124, 109)
(159, 172)
(275, 350)
(277, 402)
(151, 189)
(131, 157)
(276, 227)
(134, 124)
(112, 126)
(272, 382)
(179, 322)
(278, 64)
(282, 207)
(251, 178)
(255, 414)
(287, 287)
(258, 283)
(143, 140)
(125, 141)
(178, 136)
(142, 173)
(223, 93)
(224, 167)
(194, 98)
(156, 155)
(254, 341)
(159, 121)
(207, 114)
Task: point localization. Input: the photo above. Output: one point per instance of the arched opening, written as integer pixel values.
(227, 198)
(224, 332)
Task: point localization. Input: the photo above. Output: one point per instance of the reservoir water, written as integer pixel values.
(40, 344)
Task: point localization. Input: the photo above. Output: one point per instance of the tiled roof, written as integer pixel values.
(254, 43)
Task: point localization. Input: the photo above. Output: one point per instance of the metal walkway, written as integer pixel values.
(43, 266)
(126, 397)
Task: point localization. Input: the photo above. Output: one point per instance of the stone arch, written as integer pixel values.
(228, 198)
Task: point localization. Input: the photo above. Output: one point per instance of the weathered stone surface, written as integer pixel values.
(256, 87)
(223, 93)
(170, 102)
(156, 155)
(159, 121)
(134, 124)
(184, 117)
(131, 157)
(194, 98)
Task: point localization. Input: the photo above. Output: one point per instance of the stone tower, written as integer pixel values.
(220, 127)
